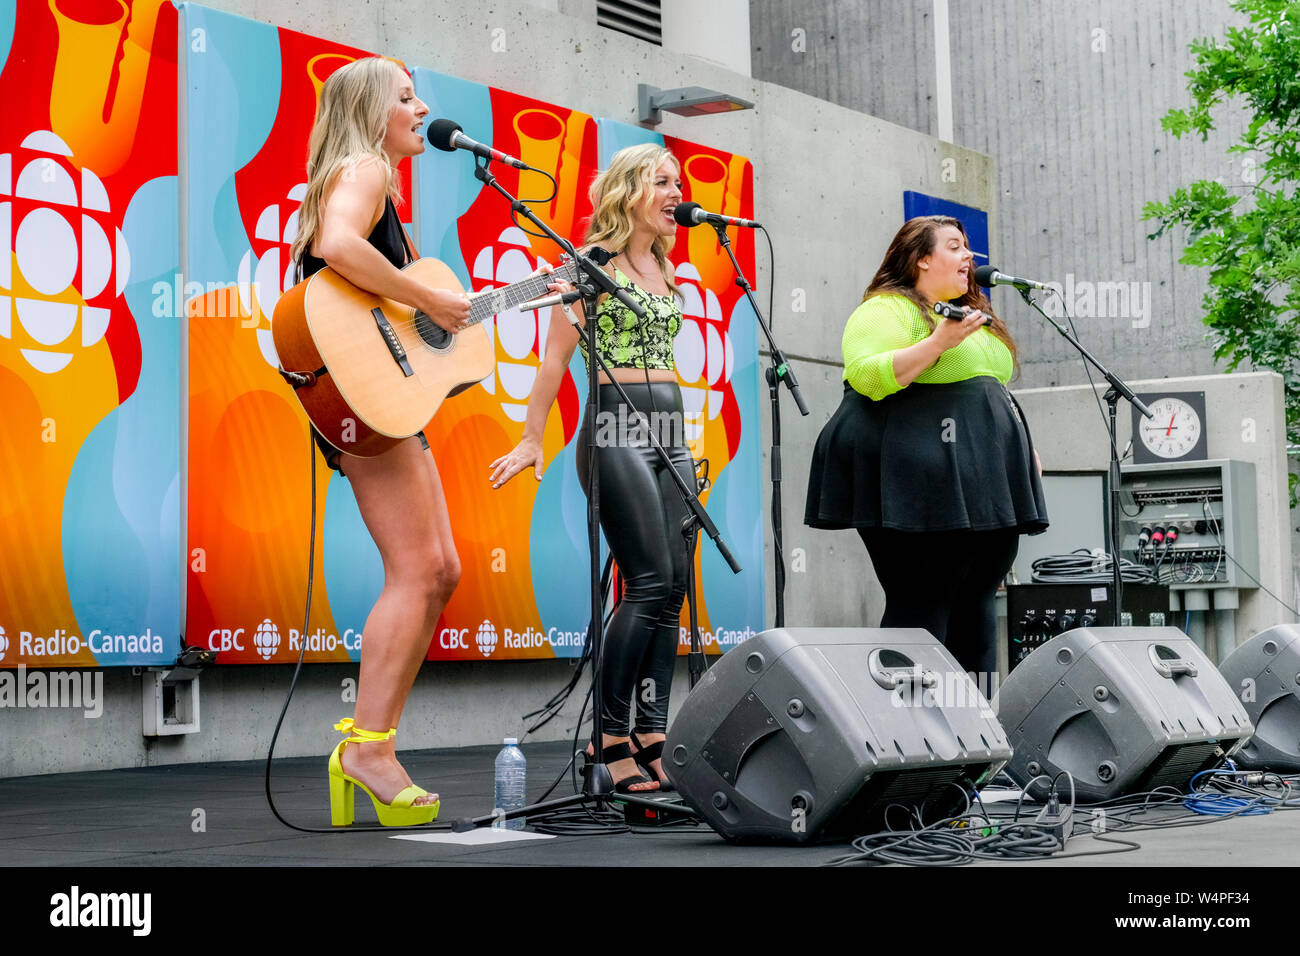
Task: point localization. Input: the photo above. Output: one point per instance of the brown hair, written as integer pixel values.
(898, 273)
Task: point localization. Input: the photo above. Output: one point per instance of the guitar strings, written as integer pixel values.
(566, 273)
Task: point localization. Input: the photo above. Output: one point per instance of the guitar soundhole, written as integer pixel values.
(434, 335)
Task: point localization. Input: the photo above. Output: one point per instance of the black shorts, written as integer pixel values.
(332, 454)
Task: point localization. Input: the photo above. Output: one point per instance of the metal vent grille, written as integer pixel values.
(637, 18)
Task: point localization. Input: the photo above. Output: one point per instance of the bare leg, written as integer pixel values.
(401, 501)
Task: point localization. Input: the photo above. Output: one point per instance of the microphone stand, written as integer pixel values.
(1113, 394)
(777, 373)
(598, 784)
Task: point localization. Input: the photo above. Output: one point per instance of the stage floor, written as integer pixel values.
(149, 817)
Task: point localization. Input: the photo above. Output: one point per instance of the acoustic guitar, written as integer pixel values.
(370, 371)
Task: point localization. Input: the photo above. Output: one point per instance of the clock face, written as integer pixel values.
(1174, 429)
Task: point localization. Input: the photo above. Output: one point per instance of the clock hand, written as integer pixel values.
(1171, 424)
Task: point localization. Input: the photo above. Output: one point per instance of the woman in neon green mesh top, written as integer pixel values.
(928, 456)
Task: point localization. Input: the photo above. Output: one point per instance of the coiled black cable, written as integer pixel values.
(1082, 565)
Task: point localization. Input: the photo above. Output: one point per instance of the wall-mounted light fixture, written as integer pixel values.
(684, 101)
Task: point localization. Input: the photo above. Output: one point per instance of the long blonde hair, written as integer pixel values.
(618, 192)
(351, 119)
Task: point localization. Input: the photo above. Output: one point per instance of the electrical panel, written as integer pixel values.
(1210, 508)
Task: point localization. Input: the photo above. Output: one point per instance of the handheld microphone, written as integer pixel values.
(690, 214)
(446, 135)
(989, 276)
(954, 312)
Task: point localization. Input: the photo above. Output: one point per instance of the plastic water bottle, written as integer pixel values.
(511, 772)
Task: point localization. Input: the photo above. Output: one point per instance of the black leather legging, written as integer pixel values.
(641, 514)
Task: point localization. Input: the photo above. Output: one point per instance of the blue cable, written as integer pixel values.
(1222, 804)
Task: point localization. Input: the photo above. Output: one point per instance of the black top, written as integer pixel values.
(387, 236)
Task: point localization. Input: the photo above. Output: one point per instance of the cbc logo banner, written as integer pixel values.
(486, 638)
(4, 644)
(267, 639)
(53, 244)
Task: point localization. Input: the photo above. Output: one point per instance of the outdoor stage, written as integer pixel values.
(147, 818)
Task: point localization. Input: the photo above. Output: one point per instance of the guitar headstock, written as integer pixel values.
(568, 268)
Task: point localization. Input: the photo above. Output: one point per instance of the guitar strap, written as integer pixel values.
(390, 207)
(410, 256)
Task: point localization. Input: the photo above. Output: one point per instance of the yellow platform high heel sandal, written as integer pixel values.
(400, 813)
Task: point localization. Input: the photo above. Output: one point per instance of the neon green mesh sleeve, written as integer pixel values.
(886, 323)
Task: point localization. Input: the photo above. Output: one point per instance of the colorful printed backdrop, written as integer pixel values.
(89, 438)
(96, 313)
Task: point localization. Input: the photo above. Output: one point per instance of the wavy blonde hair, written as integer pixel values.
(351, 119)
(619, 192)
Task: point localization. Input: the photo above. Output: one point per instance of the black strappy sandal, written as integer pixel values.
(645, 758)
(623, 751)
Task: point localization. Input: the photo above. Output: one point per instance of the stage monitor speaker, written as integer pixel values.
(810, 734)
(1264, 673)
(1121, 709)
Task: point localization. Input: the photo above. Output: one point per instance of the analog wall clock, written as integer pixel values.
(1176, 432)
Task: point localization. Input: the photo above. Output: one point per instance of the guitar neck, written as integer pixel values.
(494, 301)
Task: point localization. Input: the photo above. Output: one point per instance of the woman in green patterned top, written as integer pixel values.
(641, 511)
(928, 456)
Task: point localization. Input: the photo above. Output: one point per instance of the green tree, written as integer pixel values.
(1248, 233)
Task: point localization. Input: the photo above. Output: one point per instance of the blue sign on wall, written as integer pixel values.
(976, 221)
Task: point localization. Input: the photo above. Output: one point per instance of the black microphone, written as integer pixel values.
(954, 312)
(989, 276)
(446, 135)
(691, 214)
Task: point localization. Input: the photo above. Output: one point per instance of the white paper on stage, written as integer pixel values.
(483, 836)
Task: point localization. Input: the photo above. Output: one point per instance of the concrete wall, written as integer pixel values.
(831, 209)
(1067, 98)
(716, 32)
(452, 704)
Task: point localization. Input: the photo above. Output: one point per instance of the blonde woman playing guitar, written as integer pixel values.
(367, 121)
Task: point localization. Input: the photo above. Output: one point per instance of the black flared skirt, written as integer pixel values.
(927, 458)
